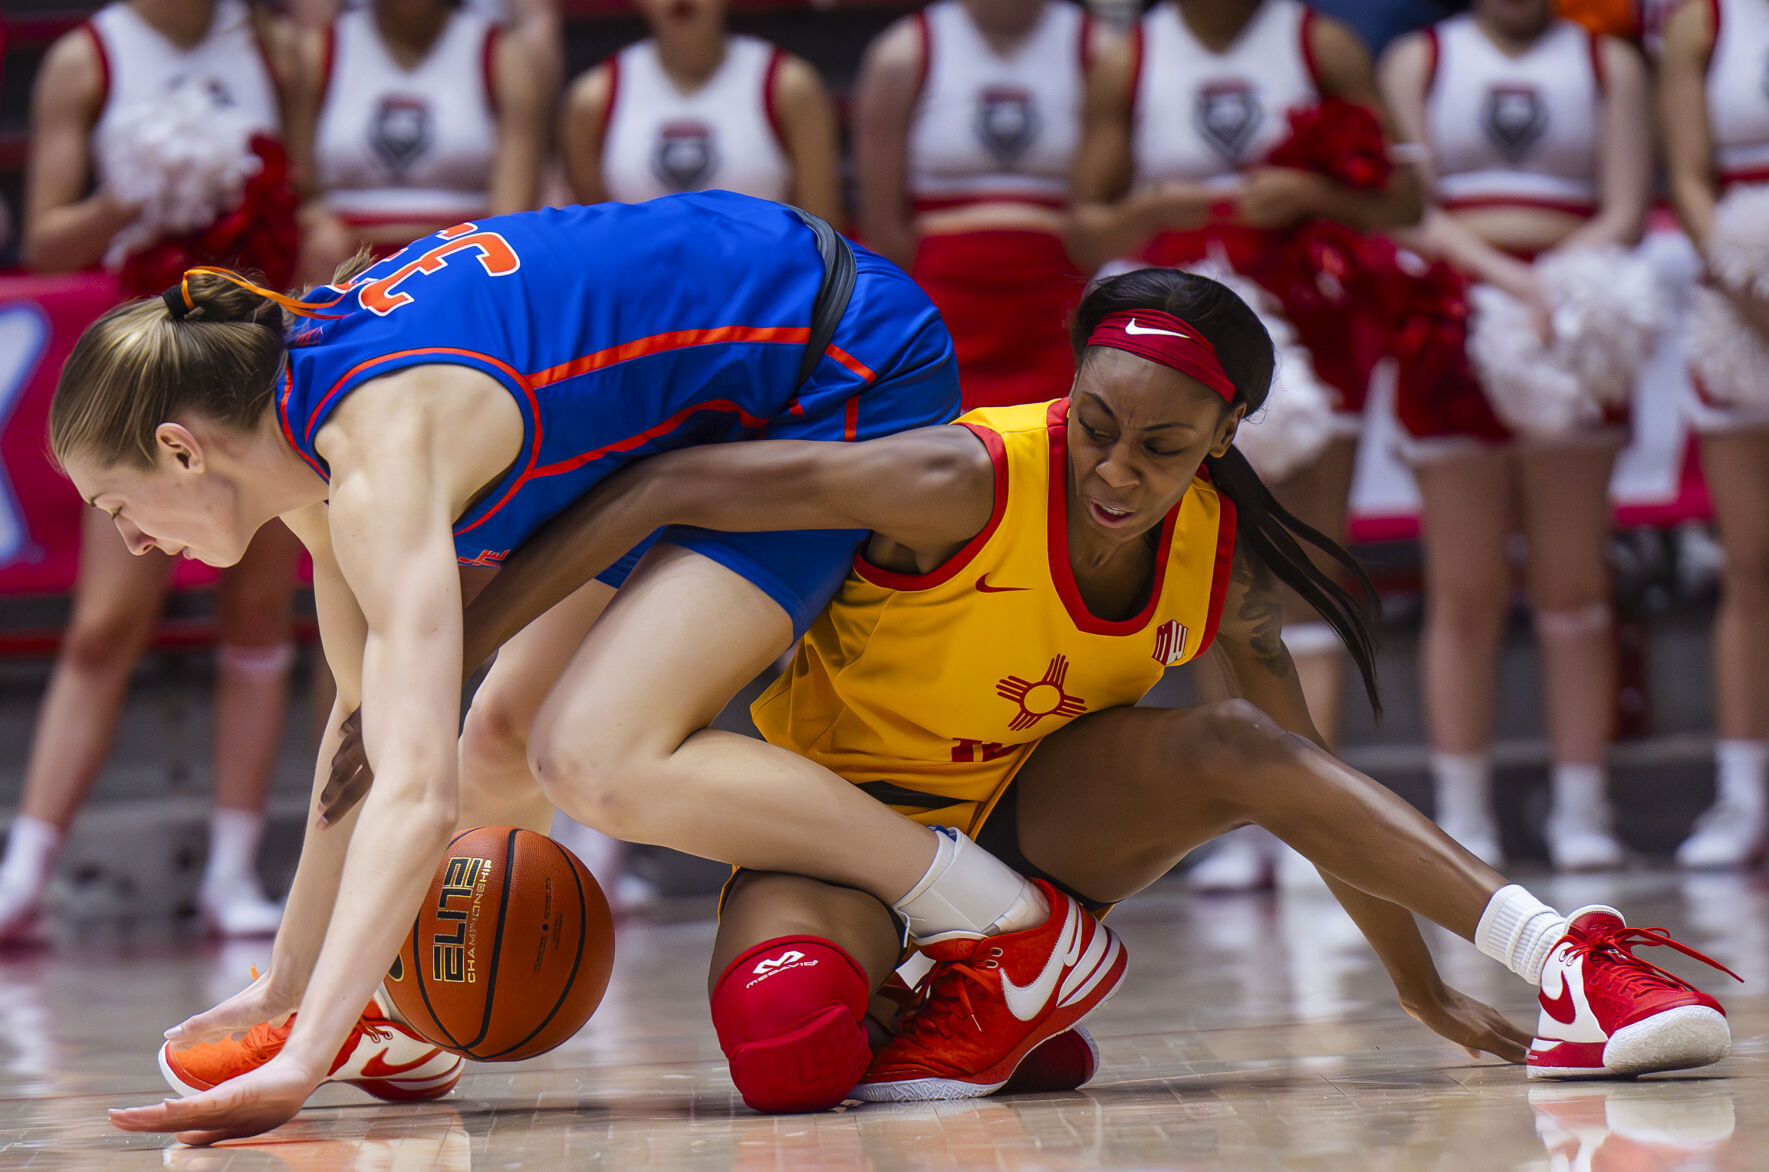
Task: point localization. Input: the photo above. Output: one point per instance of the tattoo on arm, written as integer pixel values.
(1260, 613)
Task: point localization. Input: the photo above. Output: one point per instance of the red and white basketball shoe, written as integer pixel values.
(987, 1003)
(1607, 1014)
(380, 1056)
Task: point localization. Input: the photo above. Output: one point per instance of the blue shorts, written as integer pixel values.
(908, 378)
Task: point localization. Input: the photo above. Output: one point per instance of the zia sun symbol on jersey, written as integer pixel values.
(1042, 698)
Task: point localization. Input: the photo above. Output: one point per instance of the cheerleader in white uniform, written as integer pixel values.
(1714, 112)
(967, 119)
(694, 107)
(424, 115)
(95, 83)
(1533, 128)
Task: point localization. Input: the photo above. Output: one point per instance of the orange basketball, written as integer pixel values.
(511, 951)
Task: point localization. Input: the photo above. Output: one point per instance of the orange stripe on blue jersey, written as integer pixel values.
(618, 331)
(945, 682)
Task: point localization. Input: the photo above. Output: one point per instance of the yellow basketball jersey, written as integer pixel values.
(931, 690)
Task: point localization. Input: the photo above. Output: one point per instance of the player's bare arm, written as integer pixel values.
(399, 478)
(1249, 644)
(923, 493)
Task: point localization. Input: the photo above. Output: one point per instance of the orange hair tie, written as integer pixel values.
(293, 304)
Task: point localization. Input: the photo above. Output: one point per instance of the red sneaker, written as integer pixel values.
(987, 1003)
(1064, 1062)
(1606, 1013)
(380, 1056)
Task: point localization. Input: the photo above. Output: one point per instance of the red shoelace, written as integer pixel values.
(945, 1000)
(1618, 944)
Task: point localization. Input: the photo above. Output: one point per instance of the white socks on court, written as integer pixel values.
(233, 847)
(1519, 931)
(1740, 771)
(1463, 785)
(1732, 830)
(968, 892)
(31, 849)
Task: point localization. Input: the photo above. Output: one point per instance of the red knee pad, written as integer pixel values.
(790, 1015)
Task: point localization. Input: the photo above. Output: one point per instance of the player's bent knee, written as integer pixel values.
(494, 727)
(586, 789)
(1231, 738)
(790, 1014)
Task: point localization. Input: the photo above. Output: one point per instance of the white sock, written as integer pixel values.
(31, 850)
(1519, 931)
(968, 892)
(1579, 791)
(255, 661)
(1741, 769)
(233, 847)
(1464, 783)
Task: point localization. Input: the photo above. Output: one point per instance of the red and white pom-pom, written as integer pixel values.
(1738, 243)
(1606, 317)
(1296, 423)
(181, 159)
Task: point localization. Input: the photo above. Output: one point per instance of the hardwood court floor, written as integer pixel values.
(1251, 1033)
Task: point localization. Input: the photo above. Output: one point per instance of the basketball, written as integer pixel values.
(511, 951)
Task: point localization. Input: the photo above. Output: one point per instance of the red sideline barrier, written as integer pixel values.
(40, 319)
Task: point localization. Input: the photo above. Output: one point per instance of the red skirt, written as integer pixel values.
(1007, 296)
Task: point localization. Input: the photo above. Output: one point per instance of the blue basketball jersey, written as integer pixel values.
(620, 330)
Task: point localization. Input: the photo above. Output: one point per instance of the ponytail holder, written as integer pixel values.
(177, 299)
(1161, 337)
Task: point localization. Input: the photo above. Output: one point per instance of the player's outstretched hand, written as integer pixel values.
(350, 777)
(1473, 1025)
(251, 1104)
(263, 1000)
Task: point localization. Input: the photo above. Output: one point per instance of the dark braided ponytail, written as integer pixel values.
(1267, 529)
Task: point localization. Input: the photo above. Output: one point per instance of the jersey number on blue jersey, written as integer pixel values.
(382, 296)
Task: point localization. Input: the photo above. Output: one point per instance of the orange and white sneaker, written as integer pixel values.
(988, 1002)
(380, 1056)
(1608, 1014)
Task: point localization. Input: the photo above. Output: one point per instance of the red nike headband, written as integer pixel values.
(1161, 337)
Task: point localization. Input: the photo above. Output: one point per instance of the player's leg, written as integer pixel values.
(1566, 519)
(254, 608)
(116, 601)
(793, 973)
(1103, 808)
(622, 744)
(497, 786)
(1733, 830)
(1467, 515)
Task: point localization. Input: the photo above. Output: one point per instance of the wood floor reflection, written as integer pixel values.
(1251, 1033)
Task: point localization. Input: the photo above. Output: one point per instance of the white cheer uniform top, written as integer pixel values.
(1514, 131)
(1202, 116)
(397, 145)
(988, 127)
(141, 66)
(656, 140)
(1738, 91)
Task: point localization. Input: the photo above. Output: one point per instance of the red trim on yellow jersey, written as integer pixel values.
(1062, 570)
(893, 580)
(1225, 558)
